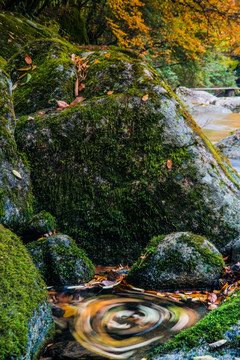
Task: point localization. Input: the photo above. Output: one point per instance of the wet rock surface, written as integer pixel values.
(230, 146)
(177, 261)
(60, 261)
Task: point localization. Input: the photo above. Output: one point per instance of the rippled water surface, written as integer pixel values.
(122, 323)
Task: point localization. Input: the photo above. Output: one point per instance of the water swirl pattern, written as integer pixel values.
(117, 327)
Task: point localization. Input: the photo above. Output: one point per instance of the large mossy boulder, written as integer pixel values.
(25, 316)
(53, 78)
(121, 167)
(15, 193)
(177, 261)
(61, 261)
(16, 31)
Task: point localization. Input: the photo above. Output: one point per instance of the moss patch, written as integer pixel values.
(211, 328)
(21, 293)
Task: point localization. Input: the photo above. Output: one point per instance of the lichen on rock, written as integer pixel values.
(177, 261)
(61, 261)
(25, 316)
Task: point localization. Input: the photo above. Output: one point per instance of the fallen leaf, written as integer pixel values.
(76, 87)
(62, 104)
(145, 97)
(22, 76)
(96, 62)
(28, 78)
(34, 67)
(217, 344)
(30, 118)
(73, 57)
(169, 164)
(110, 92)
(81, 87)
(77, 100)
(9, 40)
(28, 59)
(26, 68)
(40, 112)
(107, 55)
(14, 86)
(16, 173)
(212, 298)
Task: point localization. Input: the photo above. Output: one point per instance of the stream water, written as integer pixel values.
(121, 322)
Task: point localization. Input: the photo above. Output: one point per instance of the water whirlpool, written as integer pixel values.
(117, 327)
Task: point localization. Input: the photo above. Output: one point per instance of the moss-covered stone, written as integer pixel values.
(211, 328)
(15, 193)
(40, 224)
(16, 31)
(72, 25)
(61, 261)
(25, 317)
(52, 79)
(178, 260)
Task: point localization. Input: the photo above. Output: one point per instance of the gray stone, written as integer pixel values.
(236, 252)
(61, 261)
(231, 103)
(177, 261)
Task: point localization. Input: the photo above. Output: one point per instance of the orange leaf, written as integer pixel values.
(76, 87)
(110, 92)
(9, 40)
(81, 87)
(169, 164)
(62, 104)
(77, 100)
(212, 298)
(96, 62)
(28, 59)
(34, 67)
(145, 97)
(26, 68)
(107, 55)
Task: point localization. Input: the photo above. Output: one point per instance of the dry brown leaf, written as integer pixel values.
(110, 92)
(145, 97)
(26, 68)
(96, 62)
(107, 55)
(76, 87)
(169, 164)
(212, 298)
(81, 87)
(62, 104)
(28, 59)
(77, 100)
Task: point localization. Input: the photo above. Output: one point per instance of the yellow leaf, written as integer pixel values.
(107, 55)
(145, 97)
(26, 68)
(96, 62)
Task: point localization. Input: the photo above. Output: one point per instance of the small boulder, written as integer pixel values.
(41, 224)
(178, 260)
(236, 252)
(60, 260)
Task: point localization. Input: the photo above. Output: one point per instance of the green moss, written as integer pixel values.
(2, 62)
(211, 328)
(16, 31)
(21, 293)
(73, 25)
(58, 259)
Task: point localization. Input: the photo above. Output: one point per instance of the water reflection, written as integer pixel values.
(119, 326)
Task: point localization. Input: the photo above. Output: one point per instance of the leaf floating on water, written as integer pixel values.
(28, 59)
(169, 164)
(145, 97)
(16, 173)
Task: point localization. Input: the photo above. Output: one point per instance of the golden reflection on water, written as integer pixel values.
(218, 126)
(117, 327)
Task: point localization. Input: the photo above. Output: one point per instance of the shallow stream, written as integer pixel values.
(122, 322)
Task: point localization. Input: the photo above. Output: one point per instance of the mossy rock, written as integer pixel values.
(40, 224)
(53, 78)
(16, 31)
(15, 189)
(25, 316)
(61, 261)
(118, 169)
(72, 25)
(218, 324)
(177, 261)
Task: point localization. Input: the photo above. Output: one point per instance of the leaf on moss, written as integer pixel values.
(62, 104)
(145, 97)
(110, 92)
(28, 59)
(16, 173)
(26, 68)
(107, 55)
(169, 164)
(77, 100)
(96, 62)
(76, 87)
